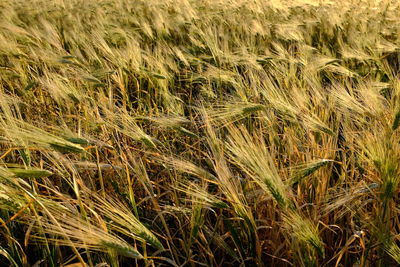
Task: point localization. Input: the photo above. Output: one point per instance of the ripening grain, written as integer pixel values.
(199, 133)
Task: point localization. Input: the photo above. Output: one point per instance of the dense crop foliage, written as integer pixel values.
(199, 132)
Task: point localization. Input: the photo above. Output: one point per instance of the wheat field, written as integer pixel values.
(199, 133)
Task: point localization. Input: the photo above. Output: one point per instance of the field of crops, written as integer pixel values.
(199, 133)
